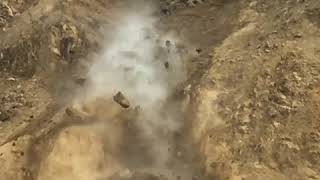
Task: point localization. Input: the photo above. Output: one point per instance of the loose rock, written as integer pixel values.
(121, 100)
(198, 50)
(166, 65)
(4, 116)
(80, 81)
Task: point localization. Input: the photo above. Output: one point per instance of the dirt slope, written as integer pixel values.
(252, 91)
(258, 114)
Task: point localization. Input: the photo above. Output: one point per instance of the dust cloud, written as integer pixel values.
(145, 64)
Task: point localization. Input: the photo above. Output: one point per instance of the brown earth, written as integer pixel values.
(253, 98)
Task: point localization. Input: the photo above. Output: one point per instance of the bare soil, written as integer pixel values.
(253, 98)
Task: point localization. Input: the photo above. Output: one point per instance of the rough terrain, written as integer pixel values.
(250, 102)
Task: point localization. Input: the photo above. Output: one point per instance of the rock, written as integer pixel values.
(298, 35)
(56, 51)
(66, 46)
(69, 112)
(272, 112)
(168, 43)
(166, 65)
(137, 109)
(4, 116)
(165, 11)
(11, 79)
(194, 2)
(296, 76)
(80, 81)
(9, 10)
(121, 100)
(187, 89)
(244, 129)
(126, 174)
(276, 124)
(221, 170)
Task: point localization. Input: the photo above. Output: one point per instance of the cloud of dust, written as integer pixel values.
(144, 64)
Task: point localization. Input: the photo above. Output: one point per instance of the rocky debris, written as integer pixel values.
(80, 81)
(272, 110)
(169, 6)
(4, 116)
(280, 93)
(11, 79)
(136, 175)
(311, 146)
(176, 3)
(187, 89)
(168, 43)
(121, 100)
(12, 100)
(277, 94)
(65, 40)
(221, 170)
(70, 112)
(298, 35)
(20, 58)
(66, 47)
(199, 50)
(6, 13)
(166, 65)
(314, 15)
(16, 98)
(194, 2)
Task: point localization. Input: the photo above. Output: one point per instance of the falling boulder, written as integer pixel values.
(121, 100)
(199, 50)
(166, 65)
(80, 81)
(168, 43)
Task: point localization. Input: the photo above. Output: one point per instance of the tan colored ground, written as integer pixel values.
(254, 105)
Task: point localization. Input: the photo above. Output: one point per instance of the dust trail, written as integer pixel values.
(145, 65)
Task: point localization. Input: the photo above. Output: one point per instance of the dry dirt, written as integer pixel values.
(251, 101)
